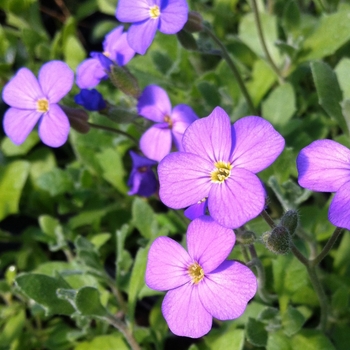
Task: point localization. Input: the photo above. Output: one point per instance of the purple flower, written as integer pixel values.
(220, 162)
(324, 166)
(154, 104)
(34, 100)
(116, 50)
(91, 100)
(196, 210)
(142, 180)
(201, 284)
(168, 16)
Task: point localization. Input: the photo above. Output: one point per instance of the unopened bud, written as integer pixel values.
(290, 221)
(278, 240)
(194, 22)
(119, 114)
(187, 40)
(124, 81)
(247, 237)
(78, 119)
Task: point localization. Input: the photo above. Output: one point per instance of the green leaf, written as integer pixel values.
(278, 341)
(48, 224)
(292, 321)
(309, 339)
(12, 329)
(56, 181)
(107, 6)
(100, 239)
(87, 301)
(230, 338)
(87, 254)
(142, 216)
(123, 258)
(291, 16)
(104, 342)
(10, 149)
(256, 333)
(73, 51)
(342, 70)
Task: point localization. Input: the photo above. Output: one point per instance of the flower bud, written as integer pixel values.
(119, 115)
(78, 119)
(247, 237)
(290, 221)
(187, 40)
(278, 240)
(124, 81)
(194, 22)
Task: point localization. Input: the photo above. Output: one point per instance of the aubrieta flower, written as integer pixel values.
(91, 100)
(142, 180)
(201, 284)
(324, 166)
(148, 16)
(116, 50)
(196, 210)
(220, 162)
(35, 100)
(154, 104)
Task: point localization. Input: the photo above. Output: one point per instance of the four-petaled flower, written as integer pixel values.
(146, 16)
(324, 166)
(92, 100)
(34, 100)
(220, 163)
(201, 284)
(154, 104)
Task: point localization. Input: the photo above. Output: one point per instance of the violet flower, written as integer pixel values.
(35, 100)
(116, 50)
(142, 180)
(91, 100)
(220, 162)
(201, 284)
(324, 166)
(196, 210)
(148, 16)
(154, 104)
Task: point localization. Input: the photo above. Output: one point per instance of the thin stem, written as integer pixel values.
(268, 219)
(233, 68)
(263, 42)
(116, 131)
(118, 295)
(297, 253)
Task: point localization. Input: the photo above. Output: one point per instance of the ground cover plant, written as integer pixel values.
(174, 174)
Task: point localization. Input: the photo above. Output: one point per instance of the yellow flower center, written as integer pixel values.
(196, 272)
(42, 105)
(154, 12)
(168, 120)
(221, 172)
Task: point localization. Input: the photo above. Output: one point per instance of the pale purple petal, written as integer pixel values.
(239, 199)
(255, 144)
(141, 34)
(122, 51)
(196, 210)
(133, 11)
(173, 16)
(184, 179)
(226, 291)
(209, 243)
(155, 143)
(167, 265)
(323, 166)
(210, 137)
(54, 127)
(18, 123)
(89, 73)
(56, 80)
(184, 312)
(111, 38)
(339, 210)
(23, 90)
(154, 104)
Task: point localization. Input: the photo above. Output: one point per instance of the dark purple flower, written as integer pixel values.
(91, 100)
(142, 180)
(148, 16)
(196, 210)
(201, 284)
(35, 100)
(154, 104)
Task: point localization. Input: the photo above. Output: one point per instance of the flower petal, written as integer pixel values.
(23, 90)
(173, 16)
(139, 161)
(196, 210)
(89, 73)
(154, 104)
(184, 179)
(209, 243)
(210, 137)
(56, 80)
(18, 123)
(54, 127)
(184, 312)
(167, 265)
(132, 11)
(142, 183)
(155, 143)
(239, 199)
(255, 144)
(323, 166)
(339, 210)
(226, 291)
(111, 38)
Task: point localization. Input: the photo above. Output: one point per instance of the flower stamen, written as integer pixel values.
(196, 272)
(221, 173)
(154, 12)
(168, 120)
(42, 105)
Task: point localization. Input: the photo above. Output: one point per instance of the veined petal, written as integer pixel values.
(54, 127)
(23, 90)
(89, 73)
(255, 144)
(237, 200)
(209, 243)
(173, 16)
(56, 80)
(154, 104)
(133, 11)
(18, 123)
(323, 166)
(122, 51)
(184, 179)
(184, 312)
(226, 291)
(210, 137)
(167, 265)
(155, 143)
(339, 210)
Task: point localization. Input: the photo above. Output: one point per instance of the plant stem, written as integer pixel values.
(268, 219)
(234, 69)
(263, 43)
(116, 131)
